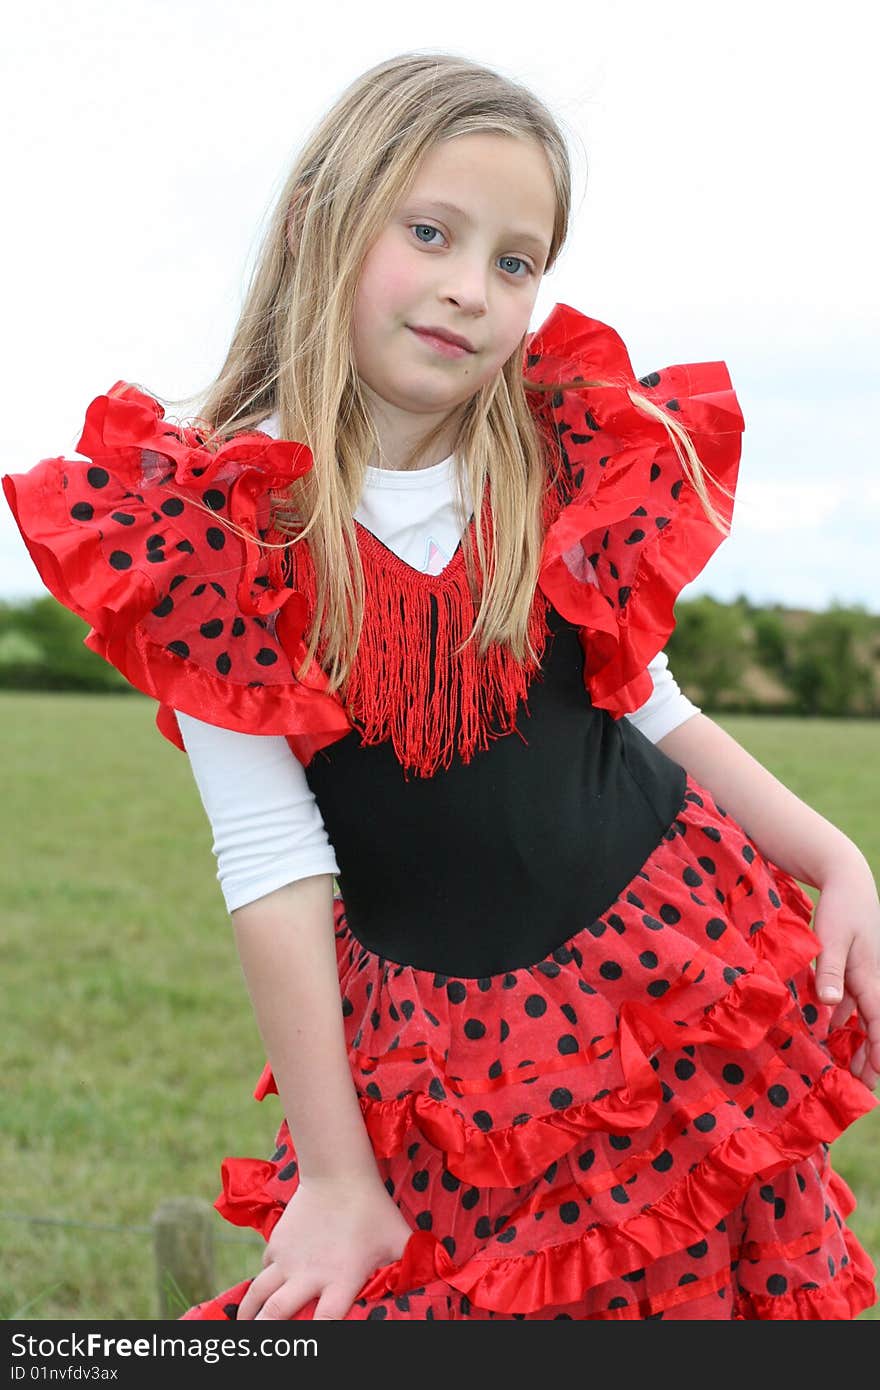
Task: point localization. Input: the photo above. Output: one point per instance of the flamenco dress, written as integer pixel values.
(578, 1000)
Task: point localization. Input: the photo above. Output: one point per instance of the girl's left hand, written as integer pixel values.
(847, 923)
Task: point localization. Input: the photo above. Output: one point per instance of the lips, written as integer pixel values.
(444, 336)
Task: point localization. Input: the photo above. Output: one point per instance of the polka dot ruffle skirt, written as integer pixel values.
(636, 1126)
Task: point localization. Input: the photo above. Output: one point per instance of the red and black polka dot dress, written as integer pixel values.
(578, 1000)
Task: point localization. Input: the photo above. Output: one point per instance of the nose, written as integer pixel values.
(466, 285)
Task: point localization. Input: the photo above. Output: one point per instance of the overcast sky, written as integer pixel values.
(725, 207)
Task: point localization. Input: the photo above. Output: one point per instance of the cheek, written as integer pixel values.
(386, 281)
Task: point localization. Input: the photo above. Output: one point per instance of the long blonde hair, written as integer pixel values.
(291, 350)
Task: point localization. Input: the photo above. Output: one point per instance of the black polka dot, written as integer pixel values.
(474, 1029)
(569, 1212)
(733, 1074)
(420, 1179)
(567, 1044)
(705, 1122)
(778, 1096)
(648, 959)
(483, 1120)
(657, 988)
(535, 1005)
(684, 1069)
(777, 1284)
(456, 992)
(610, 970)
(715, 928)
(560, 1098)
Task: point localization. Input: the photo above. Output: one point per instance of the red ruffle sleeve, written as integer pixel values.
(633, 531)
(190, 613)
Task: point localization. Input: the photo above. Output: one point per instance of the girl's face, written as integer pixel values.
(463, 251)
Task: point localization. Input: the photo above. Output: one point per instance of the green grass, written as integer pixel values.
(129, 1050)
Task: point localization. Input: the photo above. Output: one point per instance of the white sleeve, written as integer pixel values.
(666, 707)
(268, 830)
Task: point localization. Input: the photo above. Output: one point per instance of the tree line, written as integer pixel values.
(736, 657)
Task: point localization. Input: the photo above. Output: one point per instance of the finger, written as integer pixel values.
(335, 1302)
(862, 1068)
(831, 970)
(842, 1012)
(259, 1289)
(287, 1300)
(864, 984)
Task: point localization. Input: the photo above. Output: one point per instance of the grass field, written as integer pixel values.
(129, 1050)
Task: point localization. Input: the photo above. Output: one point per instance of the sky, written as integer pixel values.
(725, 208)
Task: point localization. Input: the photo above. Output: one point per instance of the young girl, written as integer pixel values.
(557, 1049)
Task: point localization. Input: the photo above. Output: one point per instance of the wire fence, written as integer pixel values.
(226, 1238)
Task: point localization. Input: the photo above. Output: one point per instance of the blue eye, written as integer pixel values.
(528, 268)
(426, 226)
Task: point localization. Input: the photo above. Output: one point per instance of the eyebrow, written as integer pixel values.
(523, 234)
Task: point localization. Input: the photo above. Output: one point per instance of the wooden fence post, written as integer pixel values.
(184, 1248)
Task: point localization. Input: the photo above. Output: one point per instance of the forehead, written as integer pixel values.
(488, 177)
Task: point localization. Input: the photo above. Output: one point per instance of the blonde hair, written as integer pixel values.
(291, 350)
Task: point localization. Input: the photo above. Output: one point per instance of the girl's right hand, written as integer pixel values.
(332, 1235)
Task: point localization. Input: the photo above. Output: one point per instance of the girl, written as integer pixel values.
(401, 593)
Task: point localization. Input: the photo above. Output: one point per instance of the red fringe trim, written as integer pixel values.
(392, 691)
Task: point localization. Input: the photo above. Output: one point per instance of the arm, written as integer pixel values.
(810, 848)
(275, 867)
(784, 828)
(287, 949)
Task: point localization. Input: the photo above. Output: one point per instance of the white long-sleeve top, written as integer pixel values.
(267, 828)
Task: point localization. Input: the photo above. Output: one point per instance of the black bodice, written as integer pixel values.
(490, 865)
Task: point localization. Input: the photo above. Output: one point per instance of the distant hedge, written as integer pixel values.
(725, 656)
